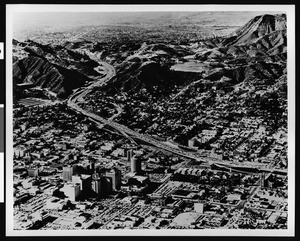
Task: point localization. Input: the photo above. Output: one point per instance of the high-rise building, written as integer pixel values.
(96, 183)
(136, 165)
(129, 154)
(67, 173)
(116, 176)
(86, 182)
(83, 180)
(72, 191)
(106, 185)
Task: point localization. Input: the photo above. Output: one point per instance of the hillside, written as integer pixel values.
(41, 73)
(239, 75)
(259, 26)
(54, 67)
(227, 78)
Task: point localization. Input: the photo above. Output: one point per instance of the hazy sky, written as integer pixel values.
(60, 19)
(32, 24)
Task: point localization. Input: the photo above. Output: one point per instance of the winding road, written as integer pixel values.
(78, 96)
(109, 72)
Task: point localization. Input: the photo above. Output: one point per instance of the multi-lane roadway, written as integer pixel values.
(109, 72)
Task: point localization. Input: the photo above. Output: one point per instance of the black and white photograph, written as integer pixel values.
(150, 120)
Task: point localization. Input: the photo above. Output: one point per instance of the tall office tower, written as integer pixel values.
(115, 175)
(96, 183)
(72, 191)
(136, 165)
(83, 180)
(106, 185)
(129, 154)
(67, 173)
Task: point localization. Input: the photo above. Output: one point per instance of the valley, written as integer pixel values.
(193, 124)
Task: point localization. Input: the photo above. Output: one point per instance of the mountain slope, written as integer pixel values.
(256, 28)
(41, 73)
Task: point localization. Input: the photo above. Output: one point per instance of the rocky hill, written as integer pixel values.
(240, 72)
(40, 72)
(259, 26)
(55, 67)
(256, 51)
(244, 72)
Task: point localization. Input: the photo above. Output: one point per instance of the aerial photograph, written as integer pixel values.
(150, 120)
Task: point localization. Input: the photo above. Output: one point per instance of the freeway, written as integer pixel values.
(109, 72)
